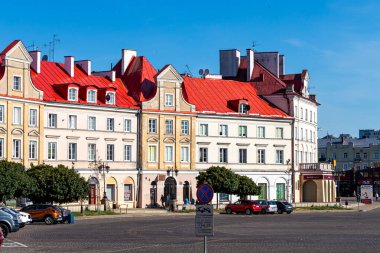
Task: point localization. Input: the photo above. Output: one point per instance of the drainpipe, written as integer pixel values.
(293, 143)
(138, 164)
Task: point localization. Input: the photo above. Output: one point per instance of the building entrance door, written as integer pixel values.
(92, 194)
(170, 190)
(309, 191)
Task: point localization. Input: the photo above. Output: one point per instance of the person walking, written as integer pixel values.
(162, 201)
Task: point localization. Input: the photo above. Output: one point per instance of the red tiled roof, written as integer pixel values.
(214, 95)
(53, 73)
(9, 47)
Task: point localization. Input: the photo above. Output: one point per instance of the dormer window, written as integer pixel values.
(91, 96)
(110, 98)
(17, 83)
(73, 94)
(244, 108)
(169, 99)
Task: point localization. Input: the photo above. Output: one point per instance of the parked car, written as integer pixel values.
(1, 237)
(65, 214)
(268, 206)
(243, 206)
(8, 223)
(15, 214)
(43, 212)
(283, 206)
(25, 217)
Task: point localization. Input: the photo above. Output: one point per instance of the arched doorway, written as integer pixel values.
(94, 185)
(309, 191)
(170, 189)
(186, 191)
(153, 193)
(111, 189)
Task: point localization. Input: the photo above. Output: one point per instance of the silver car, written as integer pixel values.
(268, 206)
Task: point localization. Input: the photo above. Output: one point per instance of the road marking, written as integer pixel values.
(12, 244)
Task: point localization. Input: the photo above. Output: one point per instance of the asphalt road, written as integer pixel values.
(298, 232)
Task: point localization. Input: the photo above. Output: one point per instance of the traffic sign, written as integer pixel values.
(205, 193)
(204, 220)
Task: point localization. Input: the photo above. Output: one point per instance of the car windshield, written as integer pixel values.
(272, 203)
(286, 203)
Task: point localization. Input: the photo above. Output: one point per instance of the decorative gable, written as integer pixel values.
(152, 139)
(17, 131)
(34, 133)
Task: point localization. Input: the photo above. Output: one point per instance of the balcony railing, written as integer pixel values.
(315, 166)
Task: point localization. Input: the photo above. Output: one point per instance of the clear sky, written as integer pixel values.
(338, 41)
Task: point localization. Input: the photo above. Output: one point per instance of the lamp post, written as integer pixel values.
(103, 169)
(171, 171)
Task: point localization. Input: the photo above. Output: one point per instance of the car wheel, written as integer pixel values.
(279, 211)
(288, 212)
(229, 210)
(5, 230)
(49, 220)
(248, 211)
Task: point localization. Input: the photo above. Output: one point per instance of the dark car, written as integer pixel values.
(283, 206)
(47, 213)
(243, 206)
(65, 214)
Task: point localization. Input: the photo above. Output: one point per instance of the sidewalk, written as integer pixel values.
(363, 207)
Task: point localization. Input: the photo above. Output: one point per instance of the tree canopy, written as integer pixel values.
(246, 187)
(222, 179)
(57, 184)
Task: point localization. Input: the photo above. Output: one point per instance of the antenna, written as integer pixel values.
(188, 70)
(51, 45)
(33, 47)
(254, 44)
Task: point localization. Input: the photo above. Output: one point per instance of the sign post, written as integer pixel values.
(204, 218)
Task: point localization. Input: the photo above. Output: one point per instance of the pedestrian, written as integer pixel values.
(192, 201)
(377, 196)
(162, 201)
(186, 201)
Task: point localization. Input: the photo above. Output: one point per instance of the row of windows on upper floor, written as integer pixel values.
(357, 155)
(203, 129)
(203, 156)
(305, 114)
(305, 135)
(17, 116)
(304, 157)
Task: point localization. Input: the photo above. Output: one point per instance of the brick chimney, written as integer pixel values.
(69, 65)
(36, 63)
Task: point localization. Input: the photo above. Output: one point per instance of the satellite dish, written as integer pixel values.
(45, 57)
(247, 107)
(201, 72)
(108, 97)
(207, 72)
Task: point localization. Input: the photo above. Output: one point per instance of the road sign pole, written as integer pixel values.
(205, 245)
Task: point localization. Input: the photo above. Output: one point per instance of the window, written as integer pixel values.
(306, 135)
(1, 113)
(110, 152)
(16, 151)
(73, 94)
(72, 121)
(203, 155)
(280, 156)
(17, 82)
(91, 123)
(223, 155)
(224, 197)
(33, 117)
(357, 155)
(110, 98)
(306, 114)
(169, 99)
(301, 134)
(203, 129)
(128, 153)
(184, 127)
(91, 152)
(376, 155)
(127, 192)
(152, 125)
(52, 120)
(1, 148)
(311, 116)
(311, 136)
(296, 132)
(280, 191)
(261, 132)
(168, 126)
(301, 113)
(345, 155)
(223, 130)
(72, 151)
(261, 156)
(185, 154)
(110, 124)
(243, 108)
(279, 132)
(127, 125)
(32, 150)
(168, 153)
(152, 153)
(345, 166)
(242, 155)
(52, 150)
(91, 96)
(242, 131)
(17, 115)
(365, 155)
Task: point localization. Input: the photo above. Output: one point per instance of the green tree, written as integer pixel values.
(57, 184)
(14, 181)
(246, 187)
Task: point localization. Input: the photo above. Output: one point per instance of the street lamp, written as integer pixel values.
(103, 169)
(338, 173)
(172, 171)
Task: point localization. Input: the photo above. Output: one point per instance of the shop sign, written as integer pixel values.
(366, 192)
(308, 177)
(329, 177)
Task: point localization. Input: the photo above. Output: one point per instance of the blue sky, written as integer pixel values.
(337, 41)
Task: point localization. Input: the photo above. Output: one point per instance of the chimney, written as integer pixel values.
(282, 64)
(250, 63)
(111, 74)
(36, 63)
(289, 88)
(126, 58)
(69, 65)
(85, 65)
(229, 62)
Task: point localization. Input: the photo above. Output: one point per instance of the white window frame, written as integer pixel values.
(112, 100)
(243, 133)
(223, 130)
(242, 108)
(110, 152)
(169, 153)
(152, 125)
(279, 156)
(33, 154)
(109, 125)
(33, 116)
(261, 156)
(91, 126)
(127, 125)
(69, 98)
(17, 116)
(52, 151)
(16, 149)
(185, 129)
(89, 100)
(169, 99)
(2, 113)
(223, 153)
(261, 132)
(152, 155)
(243, 158)
(72, 156)
(185, 154)
(91, 152)
(20, 84)
(127, 152)
(72, 122)
(169, 126)
(52, 123)
(279, 132)
(205, 159)
(203, 129)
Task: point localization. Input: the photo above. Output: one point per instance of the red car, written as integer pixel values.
(244, 206)
(1, 237)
